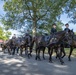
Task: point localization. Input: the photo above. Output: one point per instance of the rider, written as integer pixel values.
(27, 32)
(67, 27)
(67, 30)
(53, 31)
(27, 35)
(14, 36)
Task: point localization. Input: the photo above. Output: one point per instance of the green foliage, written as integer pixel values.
(70, 9)
(4, 35)
(36, 15)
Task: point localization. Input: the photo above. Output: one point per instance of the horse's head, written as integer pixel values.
(57, 37)
(69, 35)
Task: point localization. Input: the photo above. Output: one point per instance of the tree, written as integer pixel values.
(4, 35)
(70, 9)
(38, 15)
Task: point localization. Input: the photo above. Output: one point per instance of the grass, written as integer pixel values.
(67, 50)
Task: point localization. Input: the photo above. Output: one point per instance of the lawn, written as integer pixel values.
(67, 50)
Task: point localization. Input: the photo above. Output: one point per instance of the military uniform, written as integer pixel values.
(53, 30)
(66, 29)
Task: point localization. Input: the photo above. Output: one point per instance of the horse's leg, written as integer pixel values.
(43, 52)
(26, 50)
(60, 59)
(39, 54)
(21, 51)
(9, 51)
(36, 54)
(13, 50)
(59, 56)
(17, 49)
(29, 54)
(63, 51)
(56, 53)
(71, 49)
(3, 49)
(50, 54)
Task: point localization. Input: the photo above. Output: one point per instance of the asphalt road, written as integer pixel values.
(17, 65)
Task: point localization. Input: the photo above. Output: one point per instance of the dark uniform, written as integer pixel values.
(66, 29)
(53, 30)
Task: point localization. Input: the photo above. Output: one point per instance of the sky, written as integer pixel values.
(63, 18)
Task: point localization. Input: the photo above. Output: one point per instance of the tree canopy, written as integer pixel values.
(37, 15)
(4, 35)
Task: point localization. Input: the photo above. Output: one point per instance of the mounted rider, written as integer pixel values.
(14, 39)
(53, 31)
(14, 36)
(67, 27)
(67, 30)
(27, 36)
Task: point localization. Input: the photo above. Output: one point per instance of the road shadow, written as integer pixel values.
(21, 65)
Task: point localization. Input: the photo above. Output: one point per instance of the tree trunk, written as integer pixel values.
(34, 28)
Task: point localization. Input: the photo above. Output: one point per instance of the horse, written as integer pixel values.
(27, 41)
(41, 42)
(6, 45)
(72, 45)
(55, 45)
(59, 37)
(69, 42)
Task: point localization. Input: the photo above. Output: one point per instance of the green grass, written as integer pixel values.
(67, 50)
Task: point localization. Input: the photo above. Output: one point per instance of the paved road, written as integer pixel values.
(17, 65)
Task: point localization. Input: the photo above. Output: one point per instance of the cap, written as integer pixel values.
(66, 24)
(53, 24)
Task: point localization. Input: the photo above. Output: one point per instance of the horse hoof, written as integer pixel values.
(43, 58)
(39, 59)
(30, 55)
(62, 57)
(56, 57)
(36, 58)
(69, 60)
(50, 61)
(62, 63)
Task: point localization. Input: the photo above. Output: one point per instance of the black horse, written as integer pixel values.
(68, 42)
(72, 45)
(8, 45)
(41, 43)
(27, 42)
(50, 43)
(59, 36)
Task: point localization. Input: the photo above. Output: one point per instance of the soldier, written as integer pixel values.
(53, 30)
(14, 36)
(67, 27)
(27, 35)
